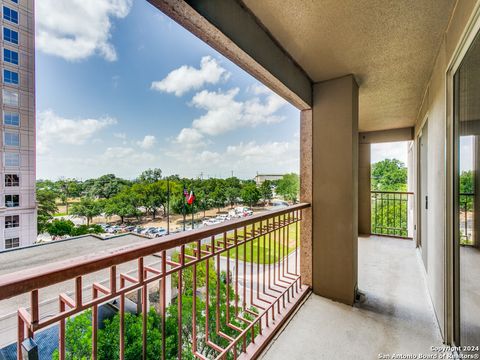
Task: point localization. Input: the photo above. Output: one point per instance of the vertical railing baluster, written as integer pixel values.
(94, 323)
(296, 245)
(251, 265)
(163, 299)
(179, 299)
(61, 333)
(144, 294)
(34, 311)
(207, 297)
(228, 277)
(244, 302)
(217, 297)
(194, 303)
(264, 238)
(235, 236)
(122, 319)
(20, 336)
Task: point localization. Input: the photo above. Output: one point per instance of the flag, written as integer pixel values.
(185, 191)
(191, 198)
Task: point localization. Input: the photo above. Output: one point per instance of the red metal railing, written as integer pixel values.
(241, 279)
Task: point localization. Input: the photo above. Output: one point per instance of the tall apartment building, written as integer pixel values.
(18, 216)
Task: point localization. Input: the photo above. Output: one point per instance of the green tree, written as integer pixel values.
(60, 227)
(152, 196)
(67, 188)
(150, 176)
(232, 194)
(78, 329)
(218, 197)
(78, 337)
(266, 191)
(87, 229)
(467, 188)
(389, 175)
(87, 207)
(203, 201)
(288, 187)
(124, 204)
(250, 194)
(107, 186)
(46, 208)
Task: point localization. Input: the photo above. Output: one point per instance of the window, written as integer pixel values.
(12, 159)
(12, 119)
(12, 243)
(10, 15)
(10, 97)
(12, 221)
(10, 35)
(12, 139)
(12, 180)
(12, 200)
(10, 56)
(15, 1)
(10, 77)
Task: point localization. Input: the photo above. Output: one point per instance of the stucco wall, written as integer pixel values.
(434, 109)
(335, 189)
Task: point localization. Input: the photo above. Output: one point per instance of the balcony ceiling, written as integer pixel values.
(390, 47)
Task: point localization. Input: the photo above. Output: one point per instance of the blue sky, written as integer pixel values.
(121, 88)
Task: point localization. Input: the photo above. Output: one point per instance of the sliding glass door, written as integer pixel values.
(467, 198)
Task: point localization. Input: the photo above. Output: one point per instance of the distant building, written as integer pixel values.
(18, 215)
(260, 178)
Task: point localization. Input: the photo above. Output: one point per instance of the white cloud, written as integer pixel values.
(224, 113)
(121, 136)
(243, 158)
(53, 128)
(259, 89)
(148, 142)
(392, 150)
(252, 150)
(189, 138)
(186, 78)
(78, 29)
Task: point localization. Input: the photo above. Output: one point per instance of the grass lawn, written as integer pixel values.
(261, 245)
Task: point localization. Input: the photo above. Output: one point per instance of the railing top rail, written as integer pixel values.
(467, 194)
(42, 276)
(392, 192)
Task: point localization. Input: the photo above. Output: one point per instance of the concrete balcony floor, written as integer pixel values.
(396, 316)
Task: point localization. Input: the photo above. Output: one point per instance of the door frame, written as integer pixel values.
(452, 309)
(419, 201)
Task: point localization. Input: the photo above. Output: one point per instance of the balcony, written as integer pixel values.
(252, 265)
(394, 316)
(238, 283)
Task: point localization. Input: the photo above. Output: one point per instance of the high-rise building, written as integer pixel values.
(17, 136)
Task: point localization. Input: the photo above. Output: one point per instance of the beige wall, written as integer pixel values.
(434, 108)
(335, 188)
(364, 197)
(306, 196)
(375, 137)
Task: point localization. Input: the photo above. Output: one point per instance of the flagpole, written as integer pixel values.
(168, 206)
(184, 207)
(193, 206)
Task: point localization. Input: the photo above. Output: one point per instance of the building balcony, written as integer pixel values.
(251, 264)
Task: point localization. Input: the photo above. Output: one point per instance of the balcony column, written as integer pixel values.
(335, 188)
(364, 187)
(306, 196)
